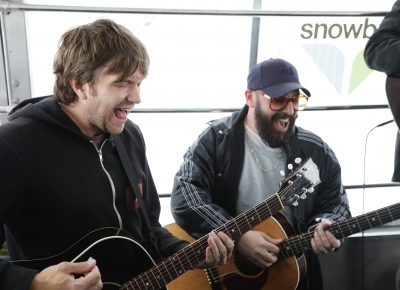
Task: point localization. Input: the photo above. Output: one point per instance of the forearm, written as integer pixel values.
(14, 277)
(193, 209)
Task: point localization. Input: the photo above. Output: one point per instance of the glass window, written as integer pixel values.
(200, 62)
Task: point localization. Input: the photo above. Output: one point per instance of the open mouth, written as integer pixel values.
(121, 114)
(282, 124)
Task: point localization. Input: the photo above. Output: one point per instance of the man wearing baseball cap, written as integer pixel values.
(238, 161)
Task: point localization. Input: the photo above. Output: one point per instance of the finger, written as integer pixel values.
(335, 243)
(326, 243)
(209, 256)
(213, 248)
(229, 244)
(329, 241)
(268, 258)
(92, 279)
(269, 254)
(314, 246)
(78, 268)
(222, 248)
(219, 251)
(273, 240)
(318, 241)
(326, 222)
(271, 246)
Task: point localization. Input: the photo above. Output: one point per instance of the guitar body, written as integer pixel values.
(118, 256)
(237, 273)
(125, 264)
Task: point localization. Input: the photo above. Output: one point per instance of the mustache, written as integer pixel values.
(282, 115)
(266, 129)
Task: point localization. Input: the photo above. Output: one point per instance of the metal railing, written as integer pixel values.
(8, 6)
(7, 109)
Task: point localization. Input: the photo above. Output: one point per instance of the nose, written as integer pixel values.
(133, 95)
(289, 108)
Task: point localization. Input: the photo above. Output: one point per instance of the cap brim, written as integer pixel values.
(279, 90)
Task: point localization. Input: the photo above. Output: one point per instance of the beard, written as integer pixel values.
(266, 129)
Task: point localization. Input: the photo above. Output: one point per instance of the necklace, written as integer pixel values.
(257, 160)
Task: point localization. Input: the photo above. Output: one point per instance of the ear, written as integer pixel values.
(250, 98)
(79, 89)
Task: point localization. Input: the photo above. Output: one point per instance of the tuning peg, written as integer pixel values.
(282, 173)
(295, 203)
(297, 160)
(303, 195)
(290, 166)
(310, 190)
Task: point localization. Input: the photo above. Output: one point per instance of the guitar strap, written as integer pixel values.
(121, 149)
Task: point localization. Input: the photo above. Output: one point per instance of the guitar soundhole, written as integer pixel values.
(246, 267)
(249, 277)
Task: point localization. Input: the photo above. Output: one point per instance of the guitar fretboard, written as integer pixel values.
(187, 258)
(302, 243)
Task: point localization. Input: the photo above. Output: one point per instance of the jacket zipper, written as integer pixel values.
(100, 153)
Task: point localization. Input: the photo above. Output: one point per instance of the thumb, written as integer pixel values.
(274, 240)
(81, 267)
(277, 241)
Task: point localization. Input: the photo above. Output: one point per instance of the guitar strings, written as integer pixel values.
(198, 247)
(384, 214)
(276, 205)
(303, 241)
(243, 222)
(162, 268)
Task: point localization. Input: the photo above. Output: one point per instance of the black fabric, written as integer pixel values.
(55, 189)
(2, 235)
(393, 96)
(392, 87)
(396, 171)
(137, 192)
(382, 53)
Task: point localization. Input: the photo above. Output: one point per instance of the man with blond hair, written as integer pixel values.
(73, 163)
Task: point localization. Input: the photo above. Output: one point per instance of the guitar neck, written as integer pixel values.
(299, 244)
(293, 188)
(238, 226)
(193, 254)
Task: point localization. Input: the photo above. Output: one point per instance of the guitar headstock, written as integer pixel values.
(299, 183)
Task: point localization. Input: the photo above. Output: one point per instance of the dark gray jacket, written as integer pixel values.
(206, 186)
(382, 53)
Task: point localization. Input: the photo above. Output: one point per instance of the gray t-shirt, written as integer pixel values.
(261, 175)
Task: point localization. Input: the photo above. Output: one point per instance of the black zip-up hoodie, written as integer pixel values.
(57, 186)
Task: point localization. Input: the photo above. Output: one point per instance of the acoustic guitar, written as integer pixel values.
(285, 274)
(125, 264)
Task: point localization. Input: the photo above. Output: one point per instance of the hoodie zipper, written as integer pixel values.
(100, 153)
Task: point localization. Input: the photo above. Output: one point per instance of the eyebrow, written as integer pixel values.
(290, 95)
(129, 81)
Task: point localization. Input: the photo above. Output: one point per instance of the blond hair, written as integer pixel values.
(85, 50)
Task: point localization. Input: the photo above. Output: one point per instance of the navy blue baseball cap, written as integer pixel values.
(276, 77)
